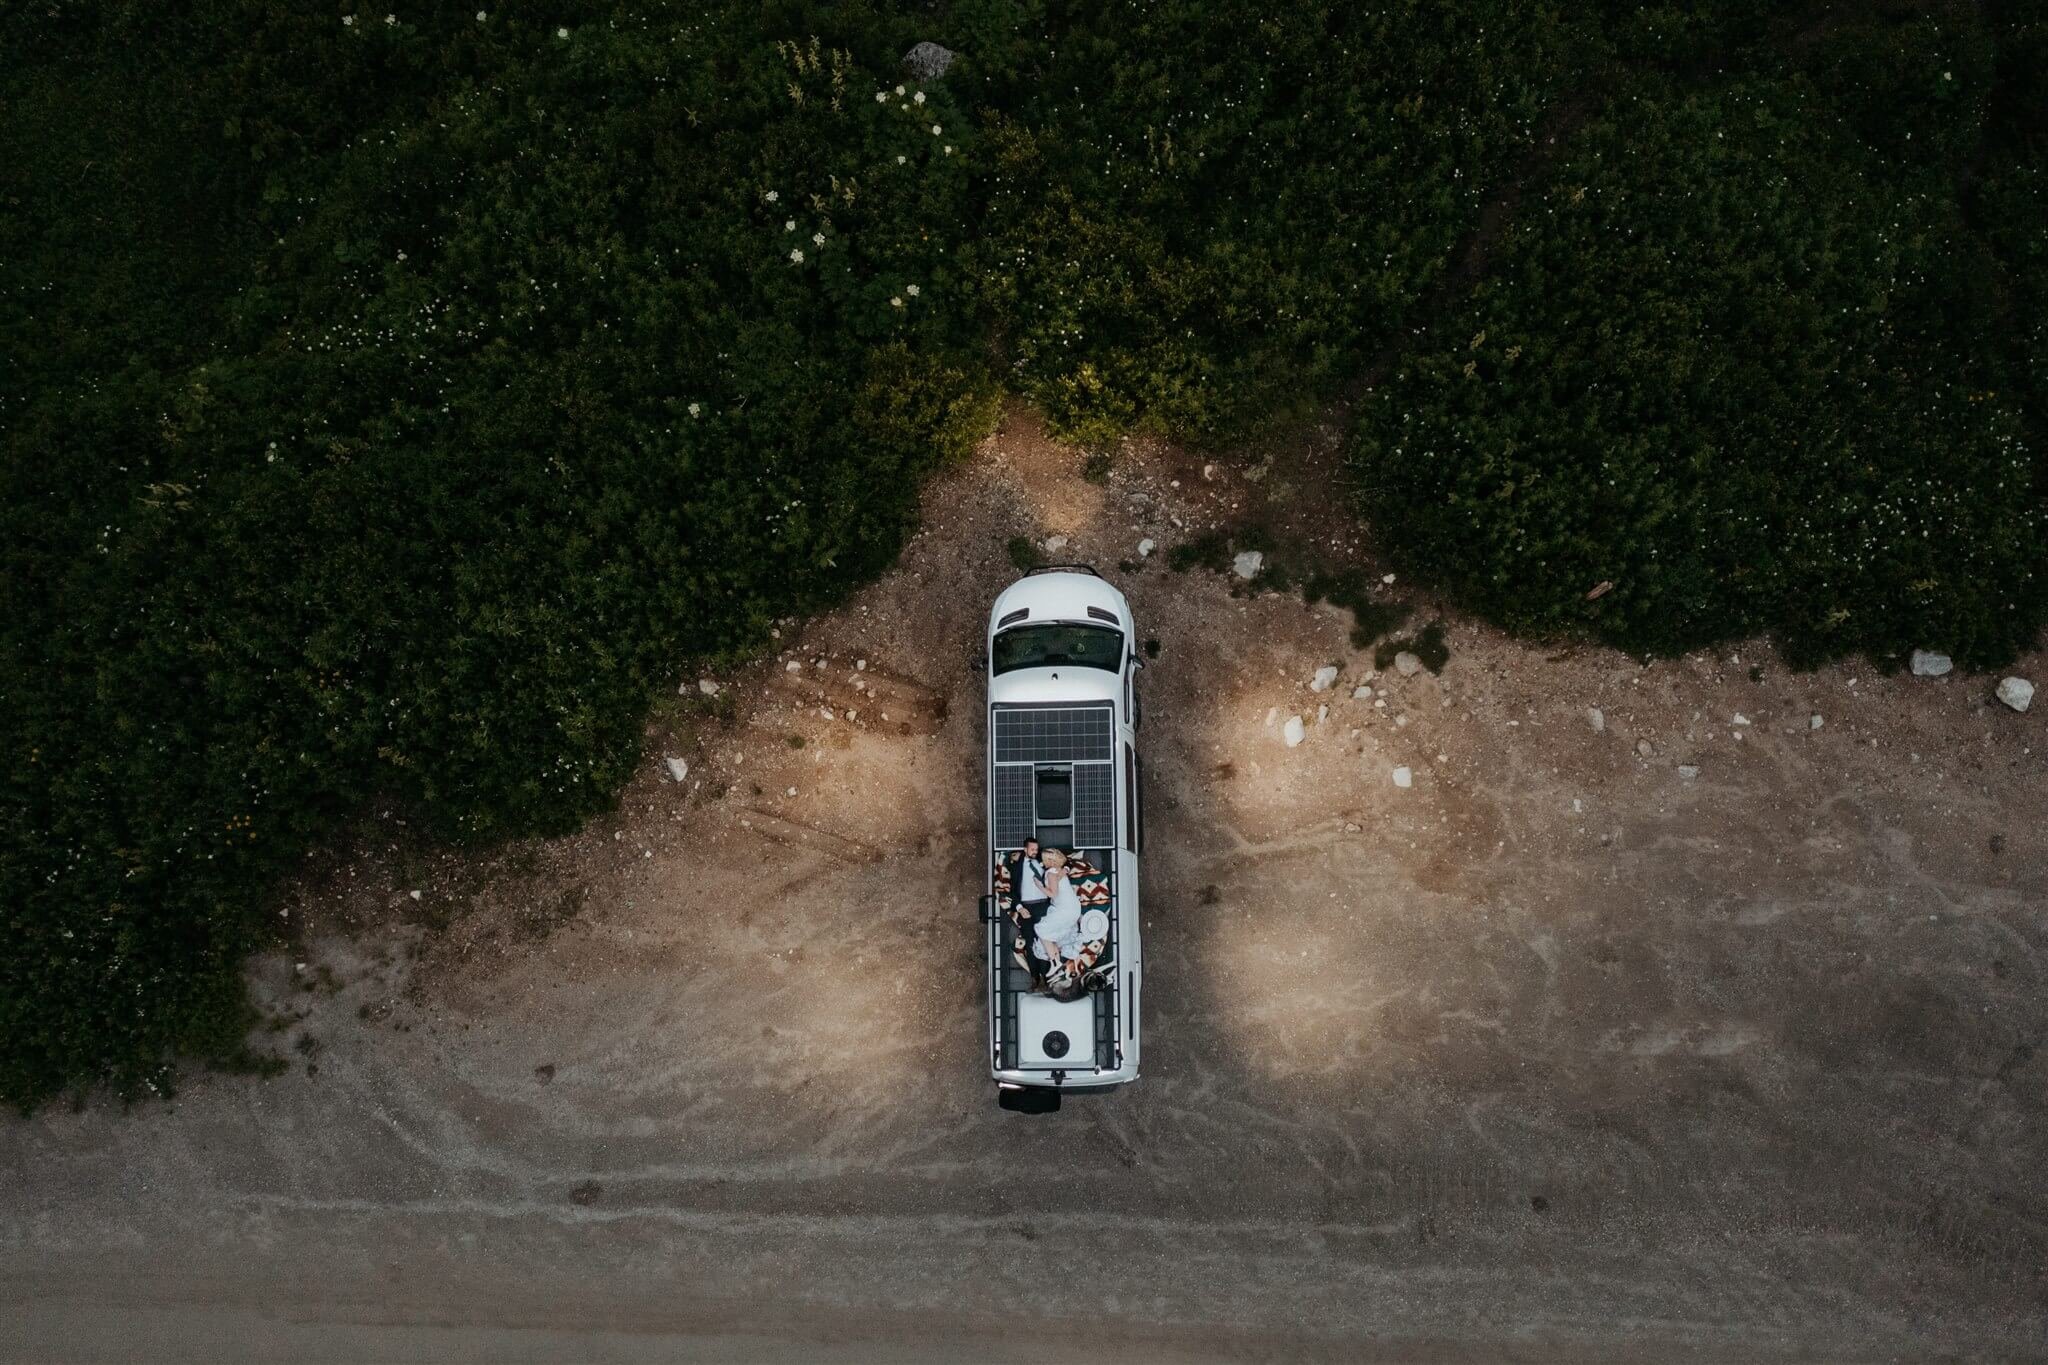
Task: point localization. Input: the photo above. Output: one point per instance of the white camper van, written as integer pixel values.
(1063, 770)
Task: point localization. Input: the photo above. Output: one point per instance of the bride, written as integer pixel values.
(1059, 927)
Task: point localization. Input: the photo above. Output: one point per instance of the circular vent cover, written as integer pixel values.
(1056, 1044)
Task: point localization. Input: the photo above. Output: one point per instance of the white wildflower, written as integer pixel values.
(918, 97)
(949, 149)
(696, 408)
(817, 239)
(912, 290)
(896, 302)
(479, 16)
(772, 196)
(789, 225)
(348, 21)
(901, 159)
(881, 97)
(899, 89)
(562, 32)
(936, 130)
(390, 18)
(796, 255)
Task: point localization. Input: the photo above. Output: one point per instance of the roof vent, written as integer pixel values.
(1055, 1044)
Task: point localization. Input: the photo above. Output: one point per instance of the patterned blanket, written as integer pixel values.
(1091, 884)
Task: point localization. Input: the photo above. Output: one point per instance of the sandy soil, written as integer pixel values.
(1557, 1054)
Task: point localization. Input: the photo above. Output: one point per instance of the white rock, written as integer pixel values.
(1596, 719)
(1814, 722)
(678, 769)
(861, 665)
(1350, 827)
(1386, 578)
(927, 61)
(2017, 693)
(1929, 664)
(793, 667)
(853, 715)
(1645, 748)
(1403, 777)
(707, 687)
(1293, 731)
(1400, 721)
(1325, 678)
(825, 711)
(1688, 771)
(1248, 563)
(1406, 664)
(1272, 714)
(1208, 471)
(1740, 719)
(790, 792)
(414, 894)
(1360, 692)
(1054, 544)
(1146, 547)
(1322, 714)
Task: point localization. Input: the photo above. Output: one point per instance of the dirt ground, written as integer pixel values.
(1558, 1053)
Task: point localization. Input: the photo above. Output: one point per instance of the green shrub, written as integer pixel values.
(1727, 363)
(1204, 213)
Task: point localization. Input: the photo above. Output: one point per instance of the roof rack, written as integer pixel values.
(1088, 569)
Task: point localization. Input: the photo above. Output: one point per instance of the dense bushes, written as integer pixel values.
(1739, 362)
(394, 404)
(598, 353)
(1200, 214)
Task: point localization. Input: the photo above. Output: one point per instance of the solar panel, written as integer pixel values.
(1094, 805)
(1014, 821)
(1053, 734)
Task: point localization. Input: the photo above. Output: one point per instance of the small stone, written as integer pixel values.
(1741, 719)
(825, 711)
(793, 667)
(1322, 714)
(927, 61)
(1054, 544)
(1146, 547)
(1688, 771)
(1406, 664)
(1360, 692)
(1400, 722)
(1325, 678)
(1350, 827)
(1387, 578)
(1928, 663)
(1596, 719)
(1645, 748)
(1293, 731)
(2017, 693)
(414, 894)
(1248, 563)
(853, 715)
(1403, 777)
(860, 665)
(790, 792)
(678, 769)
(1814, 722)
(707, 687)
(1208, 471)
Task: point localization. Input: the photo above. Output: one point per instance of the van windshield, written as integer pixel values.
(1052, 645)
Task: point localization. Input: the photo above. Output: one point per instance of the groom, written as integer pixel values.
(1027, 891)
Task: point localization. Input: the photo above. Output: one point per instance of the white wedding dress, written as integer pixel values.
(1059, 927)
